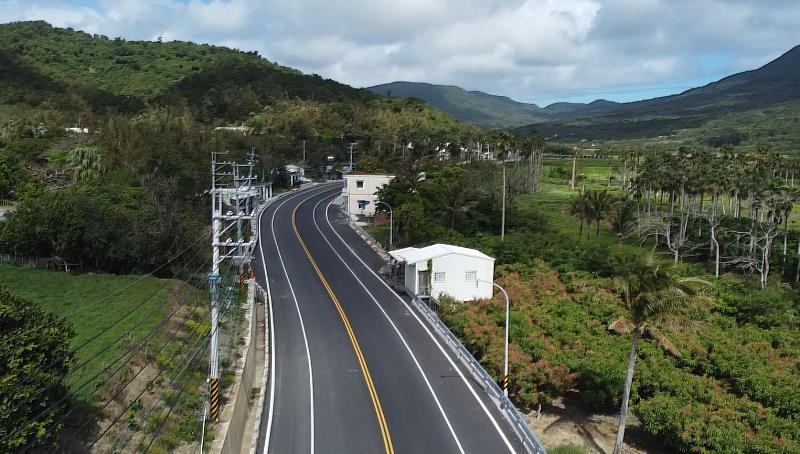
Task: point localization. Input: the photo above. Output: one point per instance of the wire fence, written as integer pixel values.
(50, 263)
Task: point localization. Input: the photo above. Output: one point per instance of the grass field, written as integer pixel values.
(554, 198)
(95, 306)
(112, 317)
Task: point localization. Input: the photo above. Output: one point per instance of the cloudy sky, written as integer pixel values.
(531, 50)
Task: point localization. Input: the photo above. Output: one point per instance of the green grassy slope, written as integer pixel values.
(85, 301)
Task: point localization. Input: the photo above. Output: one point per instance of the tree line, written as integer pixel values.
(727, 208)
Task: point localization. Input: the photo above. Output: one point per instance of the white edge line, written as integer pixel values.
(270, 371)
(430, 334)
(396, 330)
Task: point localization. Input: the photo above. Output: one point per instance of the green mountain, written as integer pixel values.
(478, 108)
(775, 83)
(45, 66)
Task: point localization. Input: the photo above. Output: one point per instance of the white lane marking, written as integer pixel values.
(408, 348)
(271, 370)
(430, 334)
(302, 328)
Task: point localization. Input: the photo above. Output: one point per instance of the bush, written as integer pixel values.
(34, 363)
(568, 449)
(766, 308)
(559, 173)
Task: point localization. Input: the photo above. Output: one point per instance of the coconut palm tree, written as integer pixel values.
(623, 212)
(579, 208)
(599, 203)
(647, 294)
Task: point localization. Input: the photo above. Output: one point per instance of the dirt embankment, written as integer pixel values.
(569, 422)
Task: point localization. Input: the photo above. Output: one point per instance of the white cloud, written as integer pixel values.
(536, 50)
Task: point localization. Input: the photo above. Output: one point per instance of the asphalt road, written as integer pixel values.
(355, 369)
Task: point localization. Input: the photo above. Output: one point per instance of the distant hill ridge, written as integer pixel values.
(478, 108)
(774, 83)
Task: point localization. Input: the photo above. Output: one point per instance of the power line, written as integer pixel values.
(177, 401)
(142, 368)
(135, 350)
(75, 391)
(176, 377)
(138, 396)
(111, 344)
(161, 371)
(180, 394)
(115, 293)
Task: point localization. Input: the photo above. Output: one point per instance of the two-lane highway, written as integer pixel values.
(354, 367)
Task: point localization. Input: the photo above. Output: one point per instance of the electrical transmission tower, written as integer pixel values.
(234, 200)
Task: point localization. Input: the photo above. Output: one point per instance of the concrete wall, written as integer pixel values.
(455, 284)
(234, 419)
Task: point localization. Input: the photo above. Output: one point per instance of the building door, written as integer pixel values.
(423, 283)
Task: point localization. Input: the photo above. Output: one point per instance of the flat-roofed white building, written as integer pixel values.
(360, 189)
(443, 269)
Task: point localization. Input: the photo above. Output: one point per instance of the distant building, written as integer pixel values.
(360, 191)
(292, 175)
(243, 130)
(443, 269)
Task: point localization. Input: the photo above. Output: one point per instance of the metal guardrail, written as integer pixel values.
(502, 402)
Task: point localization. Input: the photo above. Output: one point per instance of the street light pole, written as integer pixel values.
(391, 221)
(505, 355)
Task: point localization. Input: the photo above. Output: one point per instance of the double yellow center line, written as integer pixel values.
(376, 403)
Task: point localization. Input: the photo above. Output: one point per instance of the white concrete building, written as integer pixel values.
(444, 269)
(359, 190)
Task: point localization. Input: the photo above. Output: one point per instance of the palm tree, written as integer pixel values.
(648, 293)
(624, 212)
(599, 203)
(579, 208)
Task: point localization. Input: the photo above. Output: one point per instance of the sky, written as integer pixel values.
(540, 51)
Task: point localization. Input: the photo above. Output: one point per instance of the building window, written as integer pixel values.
(471, 276)
(438, 276)
(359, 183)
(362, 204)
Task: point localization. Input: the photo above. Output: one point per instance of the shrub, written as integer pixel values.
(568, 449)
(34, 363)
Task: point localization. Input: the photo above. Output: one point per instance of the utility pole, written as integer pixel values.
(503, 218)
(304, 151)
(352, 145)
(217, 176)
(574, 162)
(231, 185)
